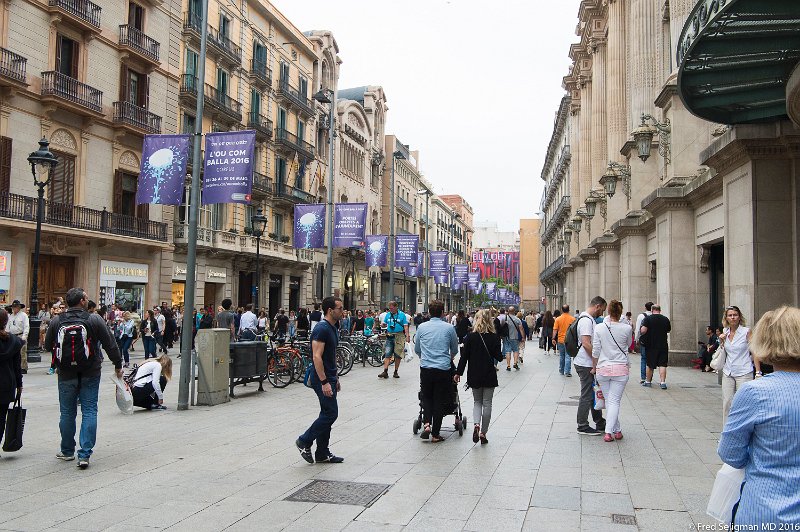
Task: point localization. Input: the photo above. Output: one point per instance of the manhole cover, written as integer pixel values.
(621, 519)
(568, 403)
(338, 492)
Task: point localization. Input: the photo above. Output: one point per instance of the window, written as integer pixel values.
(301, 174)
(284, 72)
(222, 82)
(280, 173)
(196, 9)
(281, 118)
(190, 67)
(301, 129)
(136, 16)
(62, 183)
(249, 212)
(188, 124)
(278, 224)
(125, 185)
(255, 105)
(303, 88)
(224, 26)
(5, 165)
(67, 56)
(217, 216)
(134, 87)
(260, 56)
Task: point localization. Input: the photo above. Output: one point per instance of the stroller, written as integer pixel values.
(453, 407)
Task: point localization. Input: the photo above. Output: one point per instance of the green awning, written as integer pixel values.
(735, 57)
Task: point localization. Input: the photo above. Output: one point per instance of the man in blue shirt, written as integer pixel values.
(396, 330)
(436, 343)
(324, 339)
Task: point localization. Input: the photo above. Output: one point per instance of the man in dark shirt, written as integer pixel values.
(358, 323)
(315, 317)
(656, 326)
(226, 318)
(324, 339)
(281, 323)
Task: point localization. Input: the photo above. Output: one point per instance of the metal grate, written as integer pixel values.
(339, 492)
(622, 519)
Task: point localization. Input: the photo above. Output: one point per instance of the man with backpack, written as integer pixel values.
(578, 342)
(74, 335)
(511, 332)
(637, 336)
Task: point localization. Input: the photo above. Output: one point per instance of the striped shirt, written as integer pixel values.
(762, 436)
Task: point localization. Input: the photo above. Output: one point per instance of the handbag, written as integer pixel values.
(15, 424)
(719, 357)
(725, 494)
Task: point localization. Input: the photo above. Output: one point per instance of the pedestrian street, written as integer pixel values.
(231, 467)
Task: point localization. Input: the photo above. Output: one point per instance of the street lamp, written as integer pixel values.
(643, 137)
(258, 224)
(591, 206)
(427, 262)
(328, 96)
(350, 280)
(614, 173)
(42, 162)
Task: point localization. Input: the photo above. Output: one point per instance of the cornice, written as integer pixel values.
(730, 151)
(669, 90)
(633, 224)
(588, 254)
(606, 243)
(576, 262)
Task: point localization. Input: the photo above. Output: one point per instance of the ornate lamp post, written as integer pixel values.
(259, 225)
(643, 137)
(42, 162)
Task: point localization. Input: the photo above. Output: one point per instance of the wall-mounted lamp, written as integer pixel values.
(568, 234)
(643, 136)
(591, 206)
(614, 173)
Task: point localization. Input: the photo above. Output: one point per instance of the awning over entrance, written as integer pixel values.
(735, 57)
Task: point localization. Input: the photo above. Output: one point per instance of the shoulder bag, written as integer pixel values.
(719, 357)
(615, 340)
(15, 424)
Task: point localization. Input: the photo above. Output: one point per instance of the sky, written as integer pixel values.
(474, 86)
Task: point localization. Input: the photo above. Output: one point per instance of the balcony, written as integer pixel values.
(554, 184)
(262, 184)
(404, 206)
(559, 214)
(139, 119)
(82, 13)
(12, 69)
(290, 194)
(294, 98)
(24, 208)
(552, 269)
(226, 107)
(218, 44)
(70, 93)
(260, 74)
(289, 142)
(136, 41)
(260, 123)
(404, 232)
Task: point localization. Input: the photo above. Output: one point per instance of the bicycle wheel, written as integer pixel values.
(280, 371)
(350, 358)
(341, 362)
(375, 355)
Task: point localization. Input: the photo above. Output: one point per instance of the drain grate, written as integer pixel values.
(568, 403)
(622, 519)
(339, 492)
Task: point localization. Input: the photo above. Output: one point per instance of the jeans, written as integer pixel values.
(85, 388)
(586, 402)
(731, 385)
(292, 330)
(643, 363)
(482, 408)
(564, 360)
(612, 387)
(437, 385)
(149, 347)
(320, 430)
(160, 341)
(395, 345)
(124, 343)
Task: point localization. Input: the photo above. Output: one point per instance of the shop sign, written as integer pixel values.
(5, 275)
(275, 280)
(216, 275)
(294, 283)
(123, 271)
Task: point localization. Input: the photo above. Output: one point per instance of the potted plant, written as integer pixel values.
(273, 236)
(285, 239)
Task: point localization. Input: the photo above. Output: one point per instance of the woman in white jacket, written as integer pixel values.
(149, 383)
(611, 366)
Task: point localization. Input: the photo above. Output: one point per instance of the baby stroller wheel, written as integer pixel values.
(417, 425)
(459, 427)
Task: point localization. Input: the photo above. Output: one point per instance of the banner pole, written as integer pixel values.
(332, 138)
(187, 333)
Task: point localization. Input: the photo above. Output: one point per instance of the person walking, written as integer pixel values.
(19, 325)
(369, 323)
(315, 317)
(44, 320)
(324, 381)
(281, 323)
(161, 320)
(560, 326)
(146, 331)
(584, 365)
(462, 326)
(150, 381)
(79, 376)
(548, 322)
(226, 318)
(125, 336)
(512, 339)
(656, 327)
(436, 344)
(531, 321)
(303, 325)
(248, 325)
(292, 324)
(481, 351)
(739, 362)
(760, 433)
(610, 354)
(10, 369)
(637, 333)
(397, 331)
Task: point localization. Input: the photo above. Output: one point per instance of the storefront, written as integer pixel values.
(5, 277)
(123, 283)
(214, 287)
(275, 293)
(294, 293)
(178, 283)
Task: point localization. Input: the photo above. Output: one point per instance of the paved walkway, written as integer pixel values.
(231, 466)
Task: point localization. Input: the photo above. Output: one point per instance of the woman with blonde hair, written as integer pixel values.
(125, 336)
(738, 366)
(761, 434)
(482, 351)
(149, 383)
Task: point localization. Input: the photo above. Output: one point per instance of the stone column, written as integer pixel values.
(609, 278)
(586, 140)
(634, 273)
(577, 294)
(616, 114)
(599, 132)
(591, 274)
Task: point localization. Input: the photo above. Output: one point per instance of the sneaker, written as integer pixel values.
(330, 458)
(83, 463)
(663, 385)
(305, 452)
(51, 371)
(608, 437)
(383, 375)
(618, 435)
(508, 368)
(516, 367)
(560, 372)
(520, 360)
(641, 381)
(396, 376)
(589, 431)
(568, 374)
(647, 384)
(65, 457)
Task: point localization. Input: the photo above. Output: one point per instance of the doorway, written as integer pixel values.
(275, 294)
(294, 293)
(210, 296)
(246, 288)
(56, 276)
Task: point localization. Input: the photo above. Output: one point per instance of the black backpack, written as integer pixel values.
(75, 346)
(502, 331)
(571, 340)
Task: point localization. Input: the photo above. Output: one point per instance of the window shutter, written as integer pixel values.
(62, 185)
(5, 165)
(116, 204)
(59, 53)
(143, 88)
(124, 83)
(146, 99)
(142, 210)
(75, 49)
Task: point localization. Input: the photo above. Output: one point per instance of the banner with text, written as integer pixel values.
(473, 281)
(417, 269)
(460, 272)
(228, 169)
(377, 250)
(349, 224)
(490, 289)
(439, 262)
(406, 250)
(440, 277)
(163, 169)
(501, 294)
(309, 226)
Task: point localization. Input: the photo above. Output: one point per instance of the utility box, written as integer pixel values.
(213, 365)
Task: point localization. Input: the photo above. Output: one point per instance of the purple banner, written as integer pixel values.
(406, 250)
(309, 226)
(440, 277)
(377, 250)
(473, 281)
(490, 288)
(228, 170)
(416, 271)
(501, 294)
(163, 169)
(439, 262)
(457, 284)
(349, 223)
(460, 272)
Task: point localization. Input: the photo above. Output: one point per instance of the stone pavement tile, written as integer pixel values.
(549, 519)
(490, 519)
(508, 498)
(393, 510)
(444, 503)
(559, 497)
(207, 520)
(9, 495)
(429, 523)
(275, 515)
(326, 517)
(100, 518)
(525, 478)
(419, 485)
(650, 496)
(701, 518)
(658, 520)
(434, 468)
(384, 472)
(367, 526)
(465, 485)
(41, 517)
(266, 490)
(165, 515)
(603, 483)
(595, 523)
(652, 473)
(562, 446)
(606, 470)
(559, 476)
(605, 504)
(560, 460)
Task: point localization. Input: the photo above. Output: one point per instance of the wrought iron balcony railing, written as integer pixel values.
(83, 9)
(139, 117)
(293, 95)
(259, 71)
(139, 42)
(12, 65)
(222, 43)
(552, 269)
(560, 212)
(215, 98)
(290, 141)
(262, 183)
(284, 191)
(70, 89)
(404, 206)
(260, 123)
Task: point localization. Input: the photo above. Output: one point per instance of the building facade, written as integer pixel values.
(530, 288)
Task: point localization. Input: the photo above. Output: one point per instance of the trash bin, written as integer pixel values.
(213, 362)
(248, 364)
